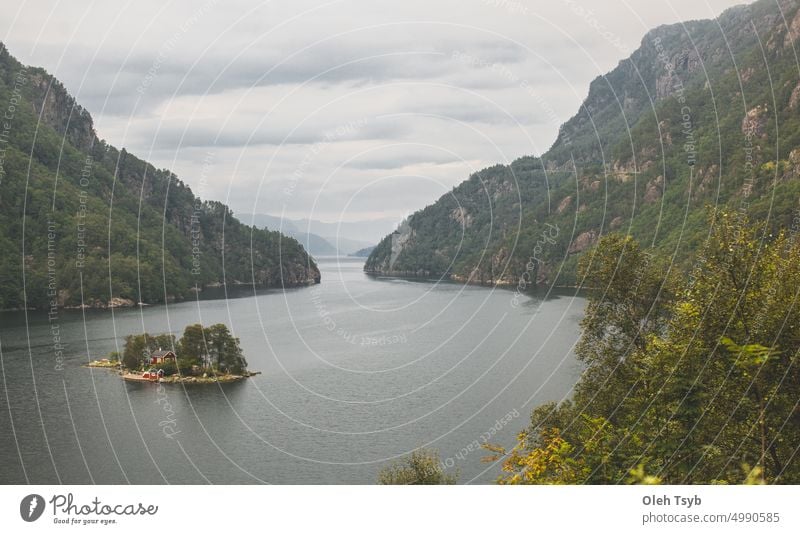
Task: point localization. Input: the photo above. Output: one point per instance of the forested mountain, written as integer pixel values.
(82, 222)
(704, 113)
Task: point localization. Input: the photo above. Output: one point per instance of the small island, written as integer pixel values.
(203, 355)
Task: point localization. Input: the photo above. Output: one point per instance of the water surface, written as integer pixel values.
(356, 371)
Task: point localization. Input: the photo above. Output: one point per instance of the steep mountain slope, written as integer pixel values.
(705, 113)
(82, 222)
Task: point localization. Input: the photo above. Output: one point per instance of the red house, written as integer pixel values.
(160, 356)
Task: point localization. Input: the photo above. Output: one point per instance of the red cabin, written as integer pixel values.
(160, 356)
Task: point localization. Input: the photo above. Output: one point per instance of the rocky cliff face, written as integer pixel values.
(702, 113)
(56, 108)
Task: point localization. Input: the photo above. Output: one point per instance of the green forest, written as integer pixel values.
(82, 222)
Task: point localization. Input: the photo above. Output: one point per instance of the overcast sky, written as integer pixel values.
(333, 110)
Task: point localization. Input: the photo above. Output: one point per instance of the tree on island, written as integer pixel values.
(225, 349)
(192, 346)
(213, 348)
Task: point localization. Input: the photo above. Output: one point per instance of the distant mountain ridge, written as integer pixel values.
(689, 120)
(363, 253)
(328, 244)
(83, 223)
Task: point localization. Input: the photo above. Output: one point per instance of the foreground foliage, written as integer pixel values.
(692, 381)
(422, 466)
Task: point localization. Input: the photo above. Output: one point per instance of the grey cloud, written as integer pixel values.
(399, 161)
(146, 79)
(119, 82)
(171, 137)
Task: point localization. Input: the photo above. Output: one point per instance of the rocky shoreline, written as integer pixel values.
(122, 303)
(138, 377)
(175, 379)
(105, 363)
(456, 278)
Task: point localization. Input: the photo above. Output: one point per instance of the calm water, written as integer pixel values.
(356, 372)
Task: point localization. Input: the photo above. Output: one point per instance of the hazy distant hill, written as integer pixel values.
(347, 246)
(703, 113)
(364, 252)
(364, 232)
(314, 244)
(330, 243)
(81, 221)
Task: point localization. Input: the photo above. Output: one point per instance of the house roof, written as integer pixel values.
(161, 353)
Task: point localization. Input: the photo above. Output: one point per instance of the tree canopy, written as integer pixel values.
(211, 348)
(692, 382)
(421, 467)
